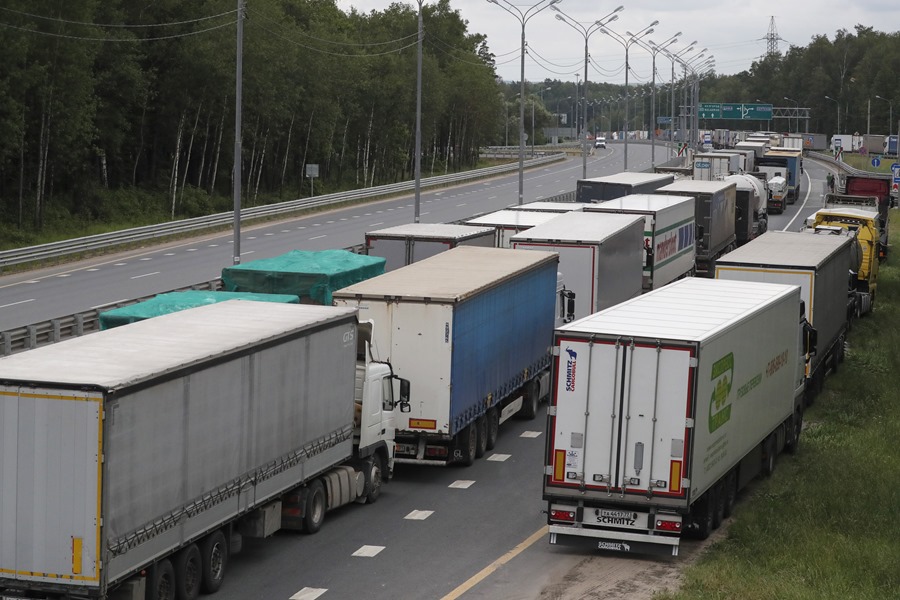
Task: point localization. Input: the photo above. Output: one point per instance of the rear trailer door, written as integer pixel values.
(50, 479)
(620, 437)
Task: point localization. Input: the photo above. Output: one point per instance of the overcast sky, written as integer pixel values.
(733, 31)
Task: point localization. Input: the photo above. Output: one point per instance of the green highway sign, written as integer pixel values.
(740, 112)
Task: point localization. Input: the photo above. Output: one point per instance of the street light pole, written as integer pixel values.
(626, 43)
(418, 161)
(586, 32)
(890, 116)
(796, 116)
(653, 49)
(673, 56)
(838, 113)
(523, 18)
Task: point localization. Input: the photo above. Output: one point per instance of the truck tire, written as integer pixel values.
(466, 444)
(531, 400)
(374, 472)
(493, 427)
(314, 514)
(481, 428)
(703, 516)
(188, 573)
(213, 561)
(768, 466)
(793, 434)
(719, 504)
(730, 492)
(162, 583)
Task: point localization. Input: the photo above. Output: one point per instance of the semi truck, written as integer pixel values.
(785, 163)
(669, 238)
(867, 190)
(310, 274)
(610, 187)
(600, 255)
(759, 148)
(714, 213)
(820, 265)
(471, 329)
(506, 223)
(682, 397)
(710, 166)
(548, 206)
(778, 192)
(148, 452)
(402, 245)
(751, 207)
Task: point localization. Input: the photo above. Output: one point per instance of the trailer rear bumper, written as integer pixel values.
(616, 541)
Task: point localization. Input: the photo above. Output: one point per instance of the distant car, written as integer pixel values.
(600, 142)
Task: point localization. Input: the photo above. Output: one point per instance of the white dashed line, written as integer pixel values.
(419, 515)
(120, 265)
(308, 593)
(368, 551)
(32, 281)
(530, 434)
(379, 223)
(285, 231)
(499, 457)
(20, 302)
(92, 270)
(461, 484)
(463, 204)
(210, 246)
(146, 258)
(145, 275)
(247, 252)
(251, 237)
(268, 234)
(191, 249)
(63, 275)
(318, 237)
(169, 254)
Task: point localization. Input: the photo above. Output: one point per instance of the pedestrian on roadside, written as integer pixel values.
(830, 180)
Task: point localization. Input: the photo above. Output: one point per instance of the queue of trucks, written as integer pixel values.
(689, 387)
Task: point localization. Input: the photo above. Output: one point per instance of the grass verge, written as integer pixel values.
(825, 525)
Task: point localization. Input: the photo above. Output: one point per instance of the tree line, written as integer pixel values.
(123, 110)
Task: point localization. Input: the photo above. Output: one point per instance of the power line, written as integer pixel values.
(327, 41)
(109, 39)
(340, 54)
(116, 25)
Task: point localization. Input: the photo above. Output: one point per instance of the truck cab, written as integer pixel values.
(777, 187)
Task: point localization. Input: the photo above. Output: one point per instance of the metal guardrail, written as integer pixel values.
(55, 250)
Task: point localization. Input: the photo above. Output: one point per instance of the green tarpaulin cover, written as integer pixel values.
(164, 304)
(311, 275)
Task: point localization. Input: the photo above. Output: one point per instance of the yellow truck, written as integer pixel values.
(859, 219)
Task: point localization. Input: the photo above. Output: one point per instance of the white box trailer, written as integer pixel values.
(471, 329)
(668, 233)
(819, 264)
(600, 256)
(402, 245)
(664, 406)
(745, 158)
(711, 166)
(547, 206)
(506, 223)
(162, 442)
(759, 148)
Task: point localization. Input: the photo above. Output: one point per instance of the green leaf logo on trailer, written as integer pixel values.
(719, 403)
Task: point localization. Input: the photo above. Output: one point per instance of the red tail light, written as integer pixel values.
(563, 515)
(664, 525)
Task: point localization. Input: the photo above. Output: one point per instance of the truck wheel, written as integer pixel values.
(768, 456)
(315, 507)
(531, 400)
(213, 560)
(793, 434)
(730, 493)
(188, 573)
(481, 429)
(493, 427)
(719, 504)
(703, 516)
(162, 584)
(466, 443)
(374, 473)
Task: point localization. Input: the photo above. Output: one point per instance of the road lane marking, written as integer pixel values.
(245, 253)
(485, 572)
(378, 223)
(169, 254)
(530, 434)
(318, 237)
(88, 270)
(270, 233)
(368, 551)
(146, 258)
(461, 484)
(802, 206)
(419, 515)
(308, 593)
(14, 303)
(63, 275)
(145, 275)
(499, 457)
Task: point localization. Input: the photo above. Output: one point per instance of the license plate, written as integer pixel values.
(405, 448)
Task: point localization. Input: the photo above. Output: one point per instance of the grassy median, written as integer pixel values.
(827, 524)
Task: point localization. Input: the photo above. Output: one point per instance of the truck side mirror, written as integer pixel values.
(569, 297)
(404, 395)
(810, 339)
